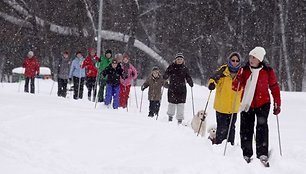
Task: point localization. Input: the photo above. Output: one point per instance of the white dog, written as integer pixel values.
(196, 121)
(212, 134)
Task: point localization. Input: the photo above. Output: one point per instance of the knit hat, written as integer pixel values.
(114, 61)
(155, 68)
(258, 52)
(108, 51)
(179, 55)
(31, 53)
(126, 55)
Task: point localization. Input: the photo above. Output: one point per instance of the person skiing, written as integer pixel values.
(129, 74)
(105, 62)
(178, 74)
(63, 74)
(155, 82)
(226, 102)
(255, 78)
(91, 72)
(31, 66)
(78, 75)
(112, 73)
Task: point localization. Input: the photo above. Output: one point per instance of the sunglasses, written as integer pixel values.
(235, 60)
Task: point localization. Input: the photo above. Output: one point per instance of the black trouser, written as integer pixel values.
(32, 85)
(101, 90)
(78, 83)
(91, 86)
(62, 87)
(262, 131)
(223, 122)
(153, 108)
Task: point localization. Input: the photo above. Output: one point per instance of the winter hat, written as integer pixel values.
(31, 53)
(114, 61)
(108, 51)
(258, 52)
(125, 55)
(78, 52)
(229, 62)
(155, 68)
(179, 55)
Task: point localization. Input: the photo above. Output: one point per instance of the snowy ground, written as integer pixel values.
(44, 134)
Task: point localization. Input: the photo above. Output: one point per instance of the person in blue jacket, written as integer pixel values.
(78, 75)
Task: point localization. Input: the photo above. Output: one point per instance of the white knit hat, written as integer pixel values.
(31, 53)
(258, 52)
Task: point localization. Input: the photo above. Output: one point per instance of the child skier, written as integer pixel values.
(155, 82)
(112, 73)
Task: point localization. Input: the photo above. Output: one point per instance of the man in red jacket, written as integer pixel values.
(91, 72)
(255, 79)
(31, 66)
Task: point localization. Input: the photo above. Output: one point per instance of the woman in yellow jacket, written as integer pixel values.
(226, 98)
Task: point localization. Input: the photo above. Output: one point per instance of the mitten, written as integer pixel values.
(211, 86)
(276, 109)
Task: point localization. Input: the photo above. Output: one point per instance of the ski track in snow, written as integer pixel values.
(46, 134)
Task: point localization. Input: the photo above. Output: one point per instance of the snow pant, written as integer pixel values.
(262, 131)
(124, 95)
(78, 87)
(223, 122)
(62, 87)
(179, 110)
(112, 92)
(101, 90)
(153, 108)
(91, 86)
(32, 85)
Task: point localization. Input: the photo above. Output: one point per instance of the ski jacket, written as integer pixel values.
(113, 75)
(104, 62)
(155, 86)
(90, 65)
(129, 74)
(75, 69)
(31, 66)
(225, 96)
(266, 80)
(177, 74)
(64, 68)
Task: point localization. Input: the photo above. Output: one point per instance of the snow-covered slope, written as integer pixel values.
(44, 134)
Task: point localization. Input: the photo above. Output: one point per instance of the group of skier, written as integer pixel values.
(239, 87)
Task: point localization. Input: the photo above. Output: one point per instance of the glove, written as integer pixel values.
(211, 86)
(70, 80)
(191, 84)
(276, 110)
(142, 88)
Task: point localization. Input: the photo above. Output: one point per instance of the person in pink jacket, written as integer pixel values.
(129, 74)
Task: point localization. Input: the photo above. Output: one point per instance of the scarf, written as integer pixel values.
(249, 90)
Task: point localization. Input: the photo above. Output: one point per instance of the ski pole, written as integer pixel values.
(141, 101)
(37, 85)
(160, 99)
(192, 101)
(135, 94)
(232, 115)
(202, 119)
(19, 83)
(279, 138)
(96, 89)
(52, 87)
